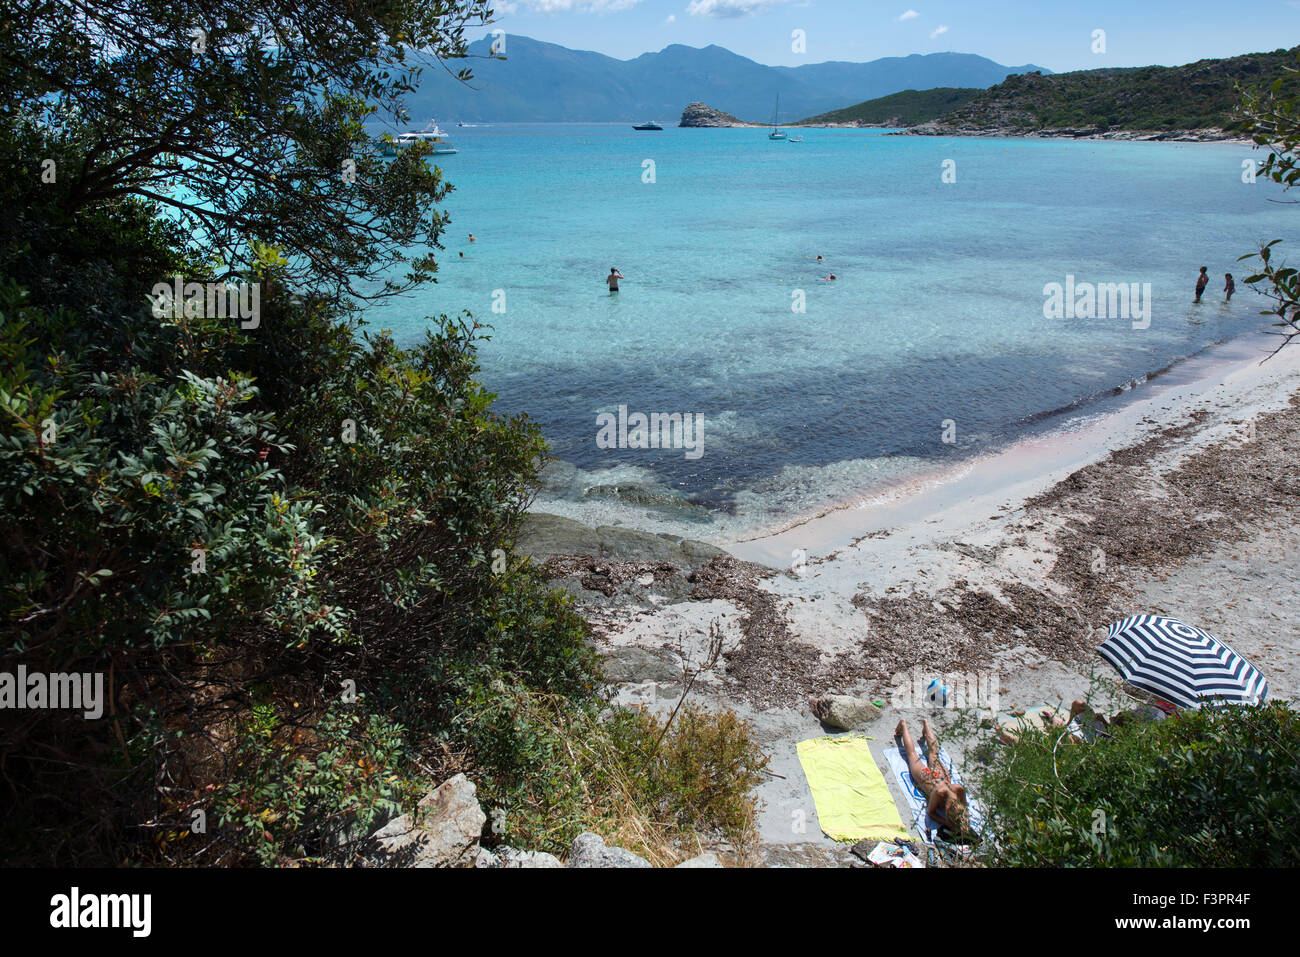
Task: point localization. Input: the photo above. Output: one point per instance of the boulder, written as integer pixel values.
(699, 553)
(844, 711)
(665, 500)
(707, 859)
(542, 536)
(508, 857)
(530, 859)
(634, 545)
(443, 831)
(590, 850)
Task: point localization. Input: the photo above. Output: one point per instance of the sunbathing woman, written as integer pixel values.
(946, 802)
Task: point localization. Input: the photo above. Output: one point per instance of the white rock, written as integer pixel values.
(707, 859)
(512, 858)
(589, 850)
(443, 832)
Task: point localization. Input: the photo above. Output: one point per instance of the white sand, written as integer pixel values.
(945, 528)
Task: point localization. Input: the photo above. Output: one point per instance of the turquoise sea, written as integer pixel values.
(935, 324)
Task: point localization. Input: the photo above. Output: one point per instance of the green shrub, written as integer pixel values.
(287, 806)
(1209, 788)
(133, 447)
(239, 527)
(661, 790)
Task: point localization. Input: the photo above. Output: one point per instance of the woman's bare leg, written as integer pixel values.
(914, 764)
(931, 746)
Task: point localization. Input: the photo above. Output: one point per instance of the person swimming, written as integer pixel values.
(613, 278)
(830, 278)
(472, 239)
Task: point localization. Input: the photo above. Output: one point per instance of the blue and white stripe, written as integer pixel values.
(1181, 663)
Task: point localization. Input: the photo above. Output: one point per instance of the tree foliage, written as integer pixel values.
(1270, 117)
(237, 118)
(276, 539)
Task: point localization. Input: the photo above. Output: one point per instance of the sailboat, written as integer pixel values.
(776, 133)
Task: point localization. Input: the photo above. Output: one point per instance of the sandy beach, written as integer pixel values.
(1184, 501)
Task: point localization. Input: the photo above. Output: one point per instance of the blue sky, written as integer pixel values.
(1051, 34)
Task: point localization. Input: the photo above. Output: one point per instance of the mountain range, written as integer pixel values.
(546, 82)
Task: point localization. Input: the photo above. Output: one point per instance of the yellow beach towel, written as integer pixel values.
(852, 797)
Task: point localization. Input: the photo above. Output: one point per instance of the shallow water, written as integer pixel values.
(933, 330)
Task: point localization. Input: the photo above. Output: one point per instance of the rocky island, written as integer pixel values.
(703, 115)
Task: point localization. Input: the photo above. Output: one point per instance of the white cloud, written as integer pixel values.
(938, 33)
(729, 9)
(672, 18)
(909, 15)
(565, 6)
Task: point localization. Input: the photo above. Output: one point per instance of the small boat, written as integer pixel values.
(431, 134)
(776, 133)
(648, 126)
(795, 139)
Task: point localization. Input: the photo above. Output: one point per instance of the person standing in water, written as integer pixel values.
(1202, 281)
(613, 278)
(1229, 287)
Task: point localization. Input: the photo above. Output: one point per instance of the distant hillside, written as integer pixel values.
(899, 109)
(1198, 96)
(545, 82)
(856, 82)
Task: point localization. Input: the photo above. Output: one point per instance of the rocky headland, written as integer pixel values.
(702, 115)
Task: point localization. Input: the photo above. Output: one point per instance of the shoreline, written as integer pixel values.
(1208, 135)
(858, 506)
(1187, 495)
(1031, 461)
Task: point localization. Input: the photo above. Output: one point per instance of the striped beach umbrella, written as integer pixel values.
(1181, 663)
